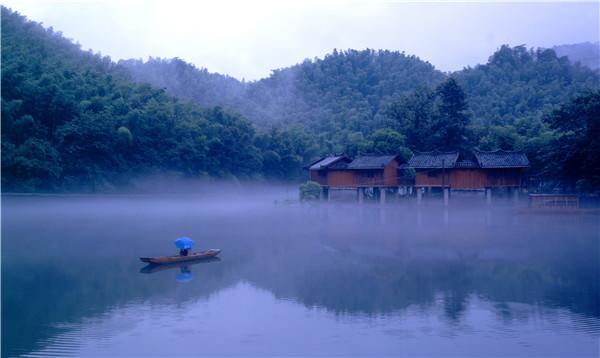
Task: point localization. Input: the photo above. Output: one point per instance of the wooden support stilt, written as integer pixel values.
(446, 217)
(382, 193)
(446, 196)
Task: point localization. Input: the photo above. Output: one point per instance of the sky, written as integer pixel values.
(249, 39)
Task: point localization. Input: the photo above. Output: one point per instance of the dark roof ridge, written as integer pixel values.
(436, 151)
(498, 151)
(376, 155)
(332, 158)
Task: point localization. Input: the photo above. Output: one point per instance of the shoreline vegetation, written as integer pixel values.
(73, 120)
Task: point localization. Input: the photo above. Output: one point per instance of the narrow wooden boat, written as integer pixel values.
(200, 255)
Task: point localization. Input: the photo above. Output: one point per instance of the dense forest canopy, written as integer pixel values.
(347, 86)
(75, 119)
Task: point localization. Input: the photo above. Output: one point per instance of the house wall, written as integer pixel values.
(468, 179)
(430, 177)
(463, 178)
(504, 177)
(320, 176)
(369, 177)
(390, 174)
(353, 178)
(341, 178)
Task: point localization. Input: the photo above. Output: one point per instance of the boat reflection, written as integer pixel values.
(183, 266)
(185, 275)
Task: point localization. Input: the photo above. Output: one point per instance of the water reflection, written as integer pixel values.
(183, 266)
(185, 272)
(184, 275)
(266, 325)
(344, 277)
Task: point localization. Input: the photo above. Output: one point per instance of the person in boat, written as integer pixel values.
(184, 244)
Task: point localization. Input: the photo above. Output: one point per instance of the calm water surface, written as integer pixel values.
(295, 279)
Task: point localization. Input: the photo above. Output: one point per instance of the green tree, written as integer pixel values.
(310, 191)
(575, 153)
(449, 128)
(387, 141)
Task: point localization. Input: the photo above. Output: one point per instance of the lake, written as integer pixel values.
(295, 279)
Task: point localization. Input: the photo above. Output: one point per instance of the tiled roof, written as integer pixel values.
(466, 164)
(501, 159)
(339, 165)
(326, 162)
(371, 162)
(433, 159)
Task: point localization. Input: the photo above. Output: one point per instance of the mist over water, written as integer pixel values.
(296, 279)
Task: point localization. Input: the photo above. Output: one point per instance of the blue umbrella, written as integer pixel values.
(184, 242)
(184, 277)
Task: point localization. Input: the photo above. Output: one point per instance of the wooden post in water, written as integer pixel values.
(446, 218)
(446, 196)
(488, 196)
(360, 193)
(444, 182)
(382, 192)
(419, 196)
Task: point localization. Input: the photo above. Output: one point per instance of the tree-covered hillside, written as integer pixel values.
(344, 89)
(520, 83)
(185, 81)
(72, 119)
(348, 89)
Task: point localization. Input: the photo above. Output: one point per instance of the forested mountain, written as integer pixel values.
(518, 83)
(345, 88)
(586, 53)
(185, 81)
(348, 95)
(72, 118)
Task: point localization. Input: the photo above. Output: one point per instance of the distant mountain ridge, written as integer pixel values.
(351, 88)
(586, 53)
(344, 84)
